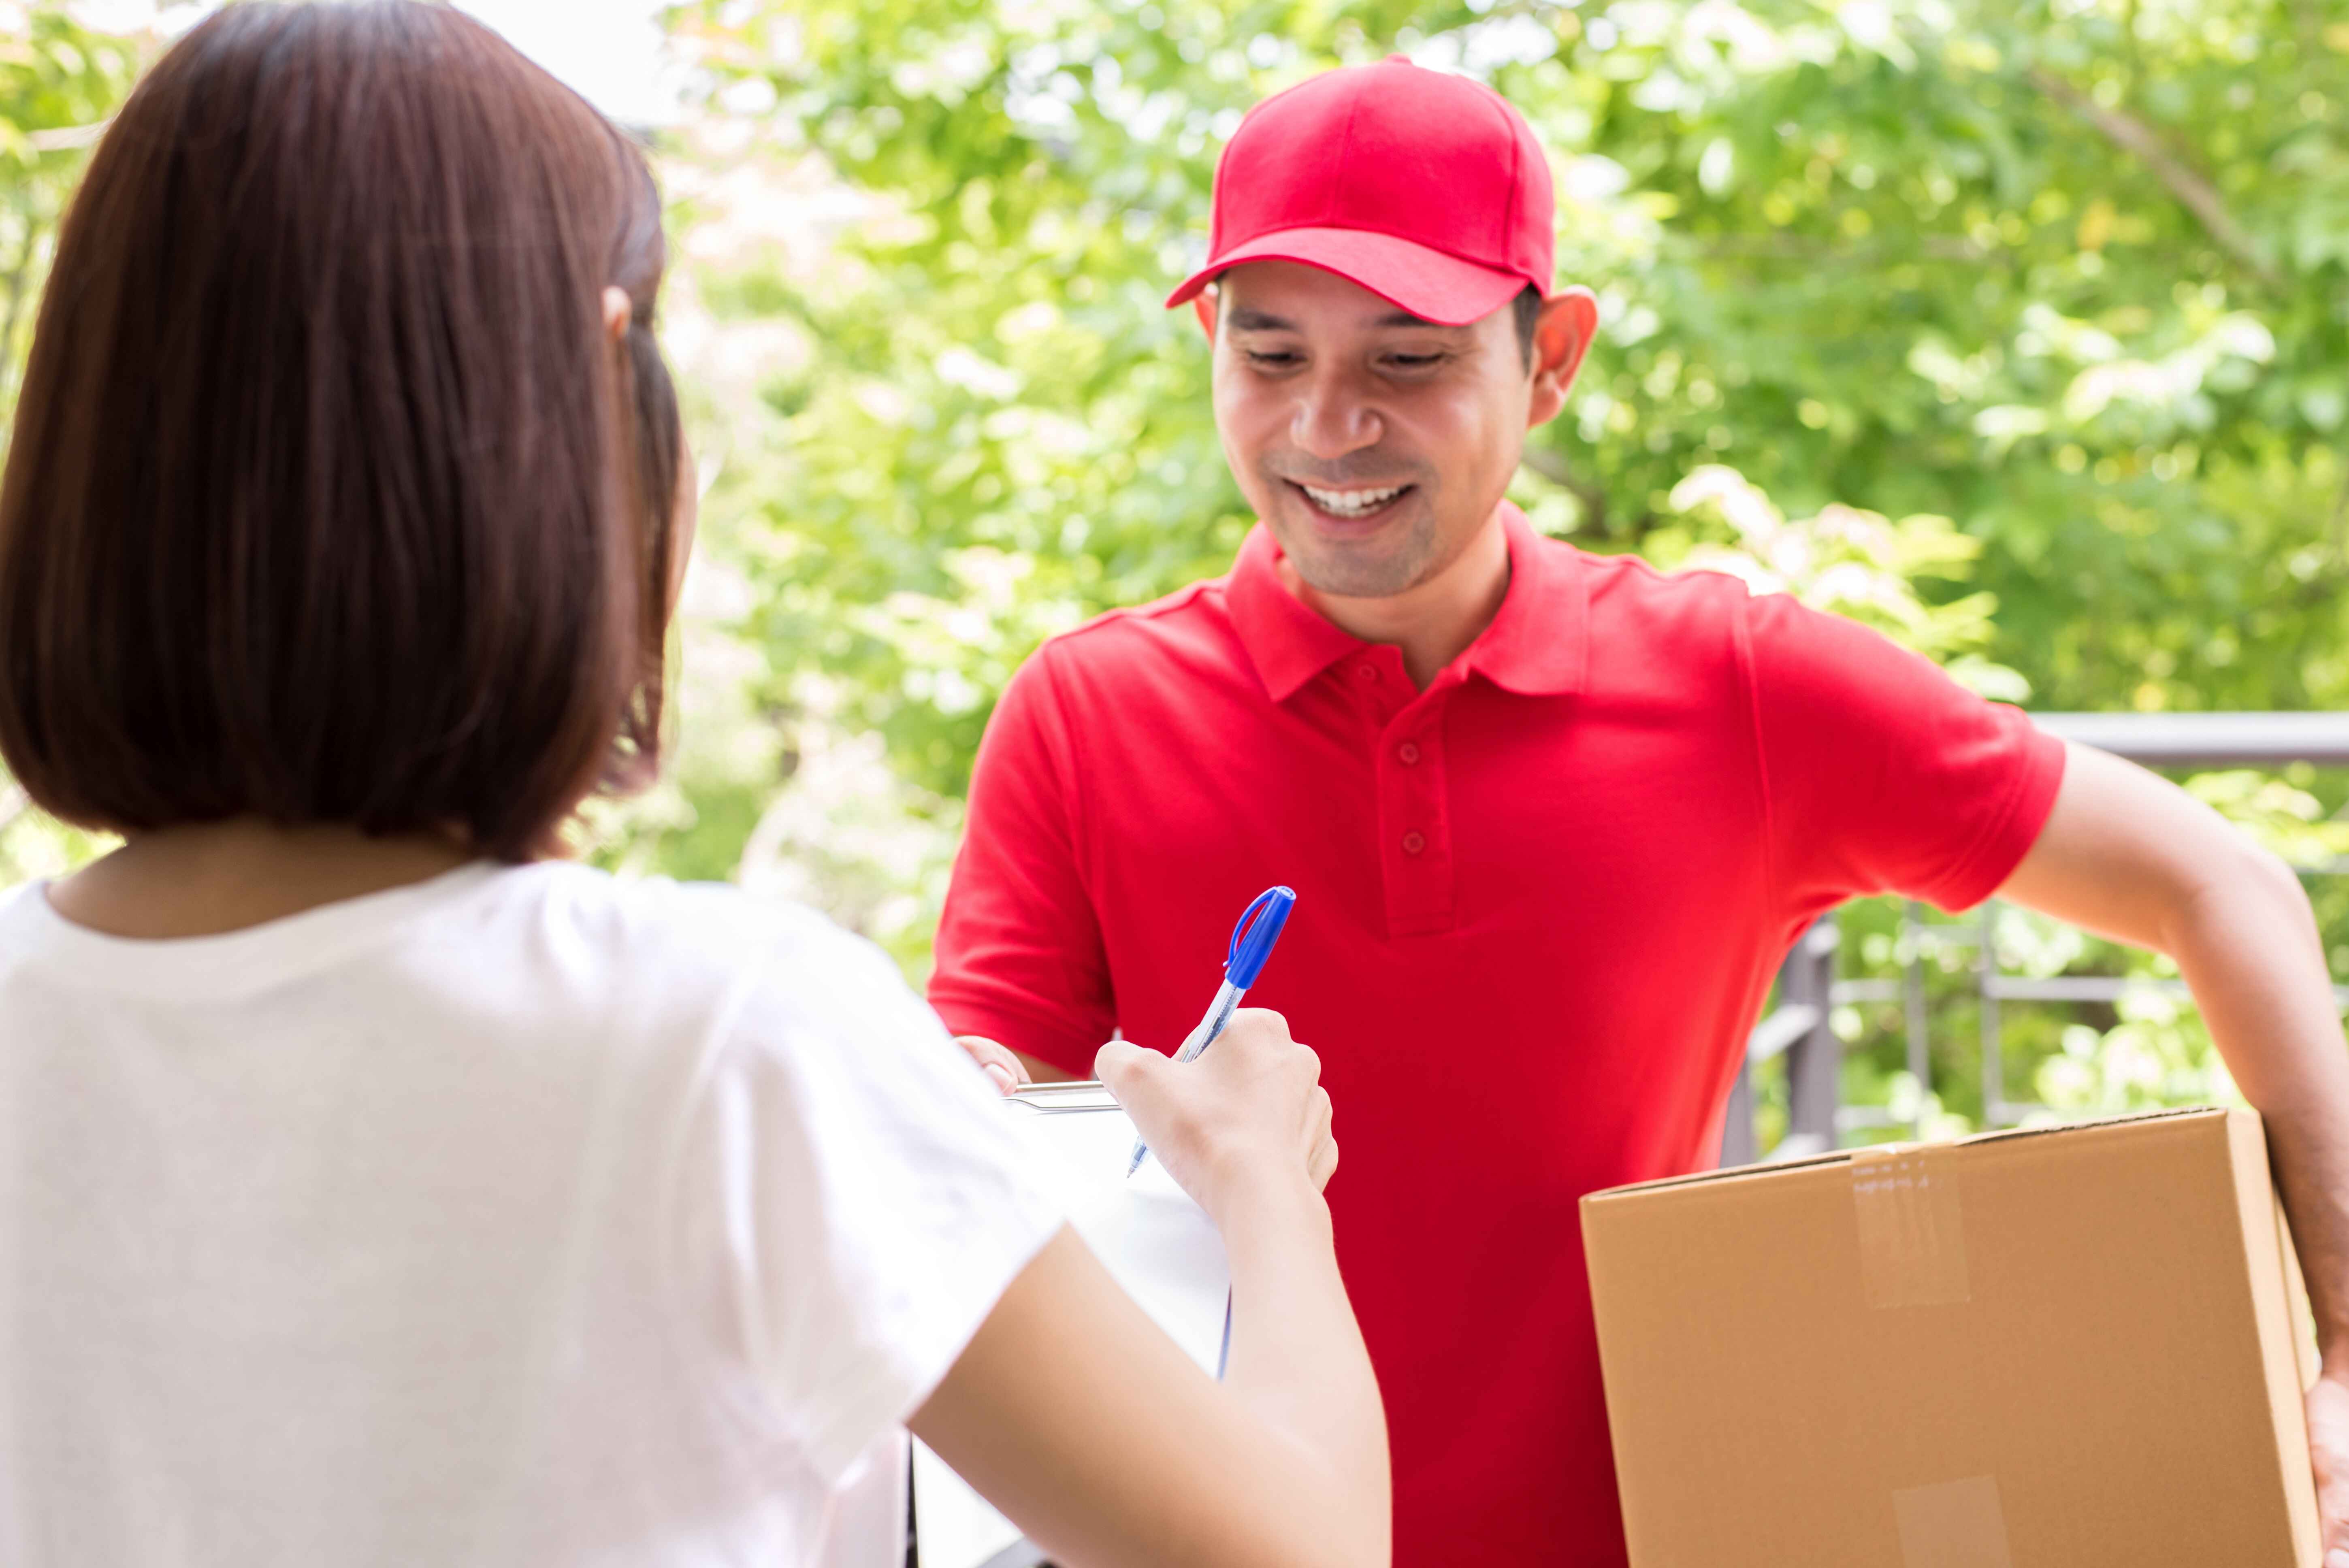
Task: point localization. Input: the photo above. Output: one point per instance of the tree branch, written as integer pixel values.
(2193, 192)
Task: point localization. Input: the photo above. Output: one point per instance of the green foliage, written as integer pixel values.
(2062, 288)
(1859, 564)
(2069, 275)
(2074, 1059)
(2018, 330)
(2051, 272)
(58, 81)
(998, 430)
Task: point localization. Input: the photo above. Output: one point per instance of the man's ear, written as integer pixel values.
(1562, 336)
(1202, 306)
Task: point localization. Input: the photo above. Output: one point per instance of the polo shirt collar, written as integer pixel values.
(1288, 644)
(1536, 645)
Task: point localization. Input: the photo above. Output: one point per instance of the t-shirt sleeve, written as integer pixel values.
(1019, 951)
(1881, 773)
(857, 1200)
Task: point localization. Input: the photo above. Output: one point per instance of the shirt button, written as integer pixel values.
(1408, 753)
(1413, 842)
(1366, 672)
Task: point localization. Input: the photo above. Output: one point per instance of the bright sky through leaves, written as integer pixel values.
(612, 51)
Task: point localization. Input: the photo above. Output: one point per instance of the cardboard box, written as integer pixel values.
(2068, 1348)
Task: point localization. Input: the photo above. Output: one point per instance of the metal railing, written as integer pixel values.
(1800, 1027)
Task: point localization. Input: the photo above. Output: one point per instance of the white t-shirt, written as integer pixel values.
(519, 1217)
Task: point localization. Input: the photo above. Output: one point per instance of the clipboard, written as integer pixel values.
(1153, 1239)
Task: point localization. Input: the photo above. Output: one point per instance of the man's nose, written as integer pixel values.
(1332, 418)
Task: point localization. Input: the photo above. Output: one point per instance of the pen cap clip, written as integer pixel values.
(1253, 937)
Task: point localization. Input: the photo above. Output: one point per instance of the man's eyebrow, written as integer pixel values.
(1247, 320)
(1244, 319)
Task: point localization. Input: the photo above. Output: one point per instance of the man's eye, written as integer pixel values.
(1275, 359)
(1414, 361)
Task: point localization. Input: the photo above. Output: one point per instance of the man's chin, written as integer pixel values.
(1368, 568)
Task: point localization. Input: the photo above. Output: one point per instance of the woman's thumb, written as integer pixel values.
(1122, 1061)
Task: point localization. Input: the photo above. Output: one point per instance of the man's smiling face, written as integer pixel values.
(1373, 444)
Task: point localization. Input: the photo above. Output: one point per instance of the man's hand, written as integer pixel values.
(2328, 1447)
(1000, 1062)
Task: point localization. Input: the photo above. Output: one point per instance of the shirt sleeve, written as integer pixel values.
(1020, 953)
(857, 1201)
(1882, 774)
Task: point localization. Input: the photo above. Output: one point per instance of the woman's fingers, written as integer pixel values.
(1247, 1110)
(1121, 1062)
(1252, 1101)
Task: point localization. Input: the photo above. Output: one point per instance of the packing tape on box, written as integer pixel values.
(1912, 1234)
(1951, 1524)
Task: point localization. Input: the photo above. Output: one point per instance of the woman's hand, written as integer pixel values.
(1074, 1415)
(1248, 1112)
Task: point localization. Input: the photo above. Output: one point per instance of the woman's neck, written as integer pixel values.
(204, 879)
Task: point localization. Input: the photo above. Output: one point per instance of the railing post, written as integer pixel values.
(1737, 1122)
(1912, 1008)
(1993, 1063)
(1815, 1061)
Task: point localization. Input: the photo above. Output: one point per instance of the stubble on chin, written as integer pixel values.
(1398, 559)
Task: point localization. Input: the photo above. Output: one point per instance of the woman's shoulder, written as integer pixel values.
(686, 930)
(648, 905)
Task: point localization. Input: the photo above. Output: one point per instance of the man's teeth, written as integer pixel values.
(1351, 504)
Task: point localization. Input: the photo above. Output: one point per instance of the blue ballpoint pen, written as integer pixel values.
(1252, 941)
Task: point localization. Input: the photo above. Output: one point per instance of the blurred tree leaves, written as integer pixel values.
(58, 81)
(2018, 329)
(2074, 276)
(2033, 317)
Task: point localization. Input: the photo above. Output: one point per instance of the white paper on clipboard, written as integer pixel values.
(1153, 1239)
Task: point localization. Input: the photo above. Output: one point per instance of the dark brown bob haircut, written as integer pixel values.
(330, 498)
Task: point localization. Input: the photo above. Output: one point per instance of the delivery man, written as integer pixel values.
(1552, 818)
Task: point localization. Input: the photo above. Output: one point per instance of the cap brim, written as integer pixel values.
(1429, 283)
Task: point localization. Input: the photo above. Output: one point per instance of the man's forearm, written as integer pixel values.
(1041, 1072)
(2135, 858)
(2250, 949)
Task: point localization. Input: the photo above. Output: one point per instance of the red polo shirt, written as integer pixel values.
(1538, 906)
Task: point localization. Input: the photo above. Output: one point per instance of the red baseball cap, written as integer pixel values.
(1426, 189)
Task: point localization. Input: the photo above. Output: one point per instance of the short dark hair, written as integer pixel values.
(329, 499)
